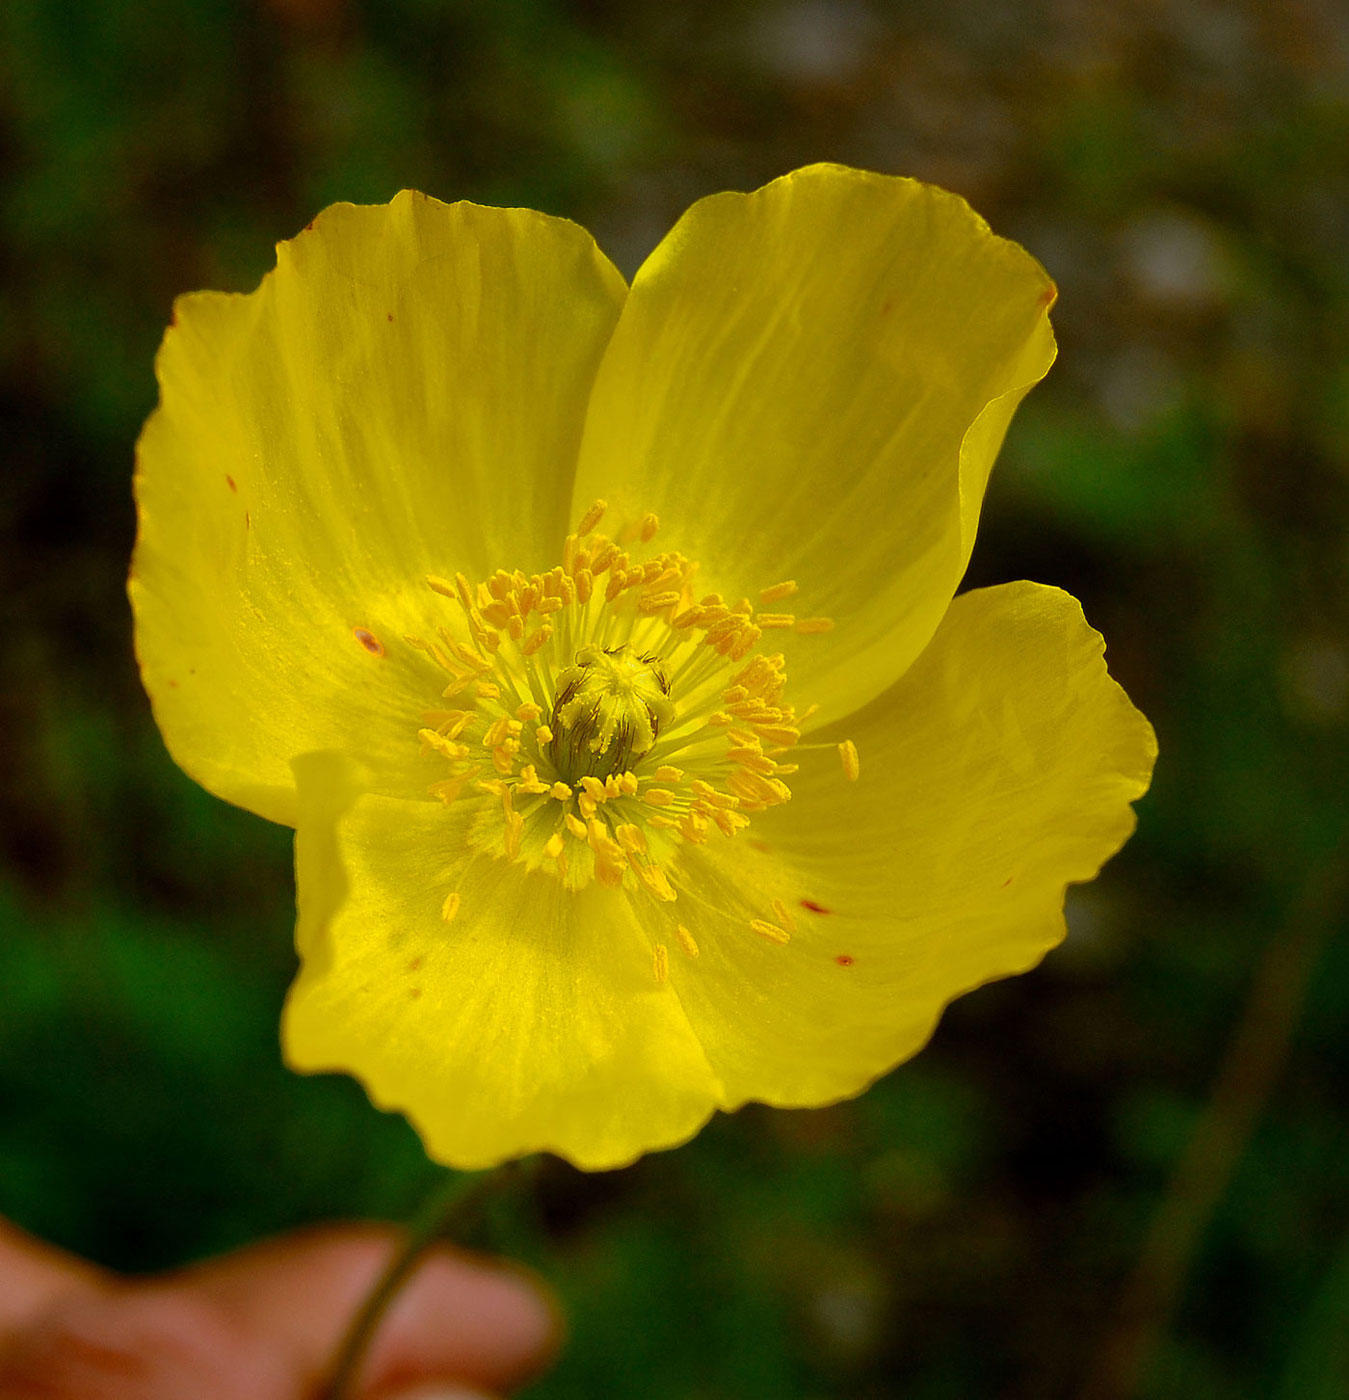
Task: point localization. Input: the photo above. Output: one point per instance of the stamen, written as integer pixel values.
(660, 962)
(608, 717)
(852, 765)
(451, 906)
(592, 517)
(686, 941)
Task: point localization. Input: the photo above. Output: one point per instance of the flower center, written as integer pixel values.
(605, 715)
(609, 710)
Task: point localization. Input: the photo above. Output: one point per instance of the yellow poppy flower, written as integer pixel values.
(552, 893)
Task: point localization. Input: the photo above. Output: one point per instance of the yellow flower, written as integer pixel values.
(552, 893)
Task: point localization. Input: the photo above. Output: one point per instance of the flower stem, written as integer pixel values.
(451, 1206)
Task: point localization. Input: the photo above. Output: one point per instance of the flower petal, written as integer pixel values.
(403, 395)
(811, 382)
(531, 1022)
(998, 769)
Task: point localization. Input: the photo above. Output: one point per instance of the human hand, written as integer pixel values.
(263, 1324)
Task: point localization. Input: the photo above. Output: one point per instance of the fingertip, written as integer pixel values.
(483, 1321)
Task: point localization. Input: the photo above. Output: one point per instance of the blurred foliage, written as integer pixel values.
(963, 1229)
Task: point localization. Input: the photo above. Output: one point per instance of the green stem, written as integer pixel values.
(450, 1205)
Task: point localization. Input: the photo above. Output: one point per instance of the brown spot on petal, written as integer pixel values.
(229, 481)
(415, 963)
(813, 907)
(368, 640)
(391, 315)
(414, 992)
(845, 960)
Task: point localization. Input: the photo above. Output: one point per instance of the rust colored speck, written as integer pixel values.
(248, 521)
(368, 640)
(845, 960)
(390, 315)
(229, 481)
(813, 907)
(414, 964)
(414, 992)
(1008, 881)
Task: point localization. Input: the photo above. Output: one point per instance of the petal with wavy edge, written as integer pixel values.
(531, 1022)
(811, 382)
(404, 394)
(1000, 768)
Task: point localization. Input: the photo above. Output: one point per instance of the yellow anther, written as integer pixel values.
(543, 734)
(434, 742)
(627, 784)
(660, 962)
(806, 626)
(650, 524)
(592, 517)
(686, 941)
(537, 638)
(852, 765)
(658, 602)
(653, 880)
(575, 826)
(777, 591)
(528, 712)
(667, 773)
(552, 848)
(631, 837)
(487, 690)
(442, 586)
(586, 805)
(594, 788)
(658, 797)
(561, 791)
(451, 906)
(780, 621)
(771, 932)
(784, 916)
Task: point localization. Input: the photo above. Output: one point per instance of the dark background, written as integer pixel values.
(965, 1229)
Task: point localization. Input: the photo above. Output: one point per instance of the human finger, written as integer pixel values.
(34, 1275)
(459, 1317)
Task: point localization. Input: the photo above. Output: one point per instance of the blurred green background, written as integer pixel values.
(965, 1229)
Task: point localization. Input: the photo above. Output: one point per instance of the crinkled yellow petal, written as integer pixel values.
(531, 1021)
(811, 382)
(404, 395)
(998, 769)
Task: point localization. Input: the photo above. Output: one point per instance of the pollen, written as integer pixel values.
(605, 718)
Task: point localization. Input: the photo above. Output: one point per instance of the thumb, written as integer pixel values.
(145, 1343)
